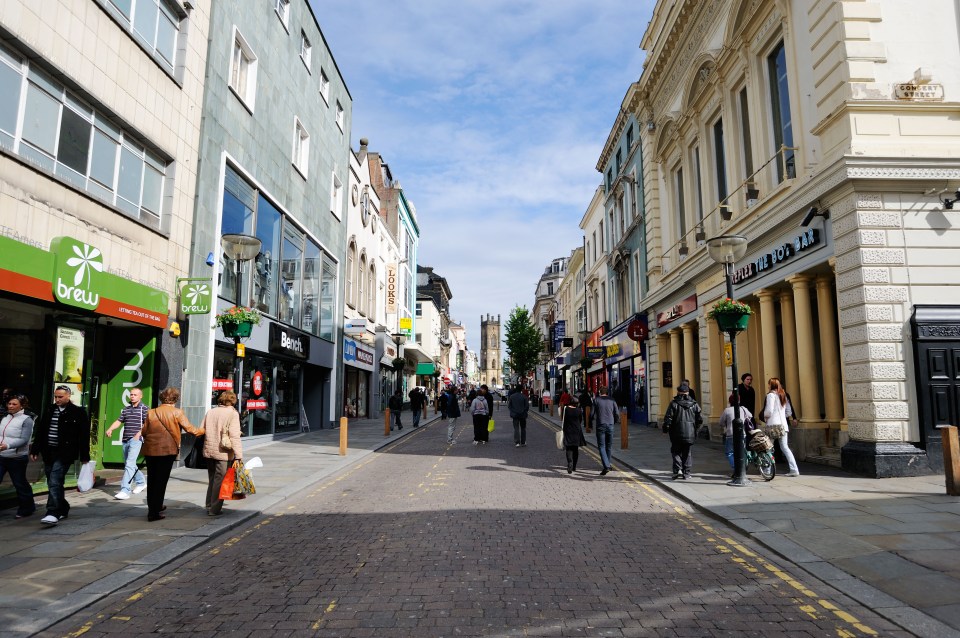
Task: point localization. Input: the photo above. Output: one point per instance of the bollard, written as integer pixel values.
(624, 432)
(343, 436)
(951, 458)
(586, 418)
(551, 409)
(386, 422)
(425, 410)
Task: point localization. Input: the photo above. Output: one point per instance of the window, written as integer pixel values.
(720, 160)
(629, 137)
(291, 276)
(61, 134)
(698, 183)
(336, 196)
(681, 209)
(780, 107)
(282, 8)
(747, 148)
(311, 287)
(619, 160)
(361, 281)
(305, 49)
(609, 179)
(603, 240)
(324, 86)
(267, 263)
(419, 312)
(351, 264)
(153, 24)
(340, 116)
(328, 288)
(243, 71)
(550, 288)
(372, 293)
(301, 147)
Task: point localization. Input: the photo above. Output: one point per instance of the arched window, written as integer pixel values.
(372, 292)
(361, 281)
(351, 265)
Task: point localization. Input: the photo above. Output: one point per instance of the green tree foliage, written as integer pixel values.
(524, 341)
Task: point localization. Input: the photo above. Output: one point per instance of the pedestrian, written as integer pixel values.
(605, 411)
(417, 398)
(450, 405)
(573, 439)
(480, 410)
(62, 437)
(396, 407)
(693, 395)
(161, 446)
(132, 418)
(748, 395)
(564, 398)
(222, 418)
(16, 427)
(726, 424)
(681, 421)
(586, 400)
(774, 416)
(519, 408)
(485, 392)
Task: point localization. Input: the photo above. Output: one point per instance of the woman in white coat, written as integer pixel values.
(775, 412)
(15, 431)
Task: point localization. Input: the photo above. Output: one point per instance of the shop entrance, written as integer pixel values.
(936, 343)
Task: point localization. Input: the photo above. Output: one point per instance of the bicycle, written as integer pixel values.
(759, 452)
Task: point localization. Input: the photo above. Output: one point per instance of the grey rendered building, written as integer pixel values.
(273, 164)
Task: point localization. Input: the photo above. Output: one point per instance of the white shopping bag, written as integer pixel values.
(253, 463)
(85, 478)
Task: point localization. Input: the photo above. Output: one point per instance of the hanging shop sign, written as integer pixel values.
(196, 296)
(678, 310)
(596, 352)
(74, 274)
(637, 330)
(406, 325)
(355, 327)
(286, 340)
(772, 260)
(391, 290)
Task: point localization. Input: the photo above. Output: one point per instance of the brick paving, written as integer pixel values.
(427, 539)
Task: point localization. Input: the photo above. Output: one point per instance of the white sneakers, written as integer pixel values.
(139, 488)
(49, 519)
(122, 496)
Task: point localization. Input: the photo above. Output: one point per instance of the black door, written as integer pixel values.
(936, 340)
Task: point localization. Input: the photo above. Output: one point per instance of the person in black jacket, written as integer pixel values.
(395, 403)
(62, 437)
(748, 395)
(417, 399)
(573, 438)
(682, 419)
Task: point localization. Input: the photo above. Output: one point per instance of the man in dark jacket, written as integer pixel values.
(450, 406)
(417, 399)
(682, 419)
(519, 407)
(62, 437)
(395, 403)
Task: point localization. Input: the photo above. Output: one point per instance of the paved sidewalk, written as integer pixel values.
(891, 544)
(46, 574)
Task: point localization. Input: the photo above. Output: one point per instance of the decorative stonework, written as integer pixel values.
(869, 200)
(874, 431)
(902, 172)
(878, 391)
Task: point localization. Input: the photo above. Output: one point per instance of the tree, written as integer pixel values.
(524, 342)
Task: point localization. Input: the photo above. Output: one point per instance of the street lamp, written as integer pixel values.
(239, 248)
(399, 338)
(727, 250)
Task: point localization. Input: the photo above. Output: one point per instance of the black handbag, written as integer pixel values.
(194, 451)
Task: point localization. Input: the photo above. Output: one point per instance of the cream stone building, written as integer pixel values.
(826, 133)
(570, 309)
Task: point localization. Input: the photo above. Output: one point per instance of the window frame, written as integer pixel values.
(336, 195)
(282, 9)
(340, 116)
(241, 52)
(348, 288)
(306, 50)
(778, 91)
(718, 134)
(301, 147)
(324, 86)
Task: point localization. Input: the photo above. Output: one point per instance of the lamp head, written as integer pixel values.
(240, 247)
(727, 249)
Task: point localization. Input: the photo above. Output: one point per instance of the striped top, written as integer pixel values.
(133, 418)
(53, 436)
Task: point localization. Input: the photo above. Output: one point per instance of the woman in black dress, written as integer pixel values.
(573, 438)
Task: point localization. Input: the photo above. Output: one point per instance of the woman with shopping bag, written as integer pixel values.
(572, 427)
(221, 447)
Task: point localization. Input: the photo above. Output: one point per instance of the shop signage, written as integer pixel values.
(223, 384)
(73, 273)
(355, 327)
(596, 352)
(406, 325)
(285, 340)
(678, 310)
(129, 364)
(773, 259)
(391, 303)
(353, 352)
(256, 404)
(196, 297)
(256, 384)
(613, 350)
(637, 330)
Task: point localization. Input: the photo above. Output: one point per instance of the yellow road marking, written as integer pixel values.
(330, 607)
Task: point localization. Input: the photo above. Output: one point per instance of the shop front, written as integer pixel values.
(69, 321)
(357, 371)
(593, 349)
(625, 359)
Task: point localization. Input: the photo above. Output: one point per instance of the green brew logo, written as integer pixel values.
(76, 273)
(195, 299)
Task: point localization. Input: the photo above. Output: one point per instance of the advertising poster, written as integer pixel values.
(129, 364)
(68, 364)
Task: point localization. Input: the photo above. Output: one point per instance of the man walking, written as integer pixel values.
(606, 411)
(450, 406)
(396, 407)
(682, 419)
(132, 418)
(417, 399)
(62, 436)
(519, 407)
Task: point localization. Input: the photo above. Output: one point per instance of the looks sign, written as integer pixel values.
(773, 259)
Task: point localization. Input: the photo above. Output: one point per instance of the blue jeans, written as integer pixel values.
(17, 467)
(56, 500)
(728, 448)
(605, 442)
(415, 416)
(131, 450)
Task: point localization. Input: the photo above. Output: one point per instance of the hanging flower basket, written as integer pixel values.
(238, 321)
(585, 363)
(399, 363)
(731, 315)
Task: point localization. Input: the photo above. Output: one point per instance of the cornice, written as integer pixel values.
(852, 107)
(623, 116)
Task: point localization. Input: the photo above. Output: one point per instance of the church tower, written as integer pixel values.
(490, 361)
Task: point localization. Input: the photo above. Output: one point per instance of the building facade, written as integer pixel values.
(595, 273)
(824, 133)
(274, 164)
(97, 183)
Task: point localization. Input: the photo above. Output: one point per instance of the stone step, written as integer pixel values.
(828, 456)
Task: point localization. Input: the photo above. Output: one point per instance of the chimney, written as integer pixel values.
(363, 148)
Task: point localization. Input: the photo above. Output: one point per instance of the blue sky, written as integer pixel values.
(492, 114)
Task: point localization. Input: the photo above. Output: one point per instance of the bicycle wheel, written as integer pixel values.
(767, 467)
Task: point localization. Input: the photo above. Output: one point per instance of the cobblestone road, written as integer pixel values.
(429, 539)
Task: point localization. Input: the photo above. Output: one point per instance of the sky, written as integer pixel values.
(492, 115)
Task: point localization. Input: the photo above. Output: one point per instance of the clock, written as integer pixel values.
(364, 207)
(355, 194)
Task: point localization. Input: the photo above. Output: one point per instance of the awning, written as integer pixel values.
(386, 360)
(426, 368)
(413, 351)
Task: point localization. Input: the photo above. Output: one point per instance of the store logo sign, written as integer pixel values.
(76, 273)
(810, 238)
(353, 352)
(289, 342)
(196, 298)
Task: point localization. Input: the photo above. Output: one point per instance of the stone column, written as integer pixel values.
(675, 358)
(806, 349)
(829, 351)
(718, 371)
(791, 366)
(690, 354)
(768, 333)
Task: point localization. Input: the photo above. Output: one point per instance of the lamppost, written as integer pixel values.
(398, 338)
(239, 248)
(727, 250)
